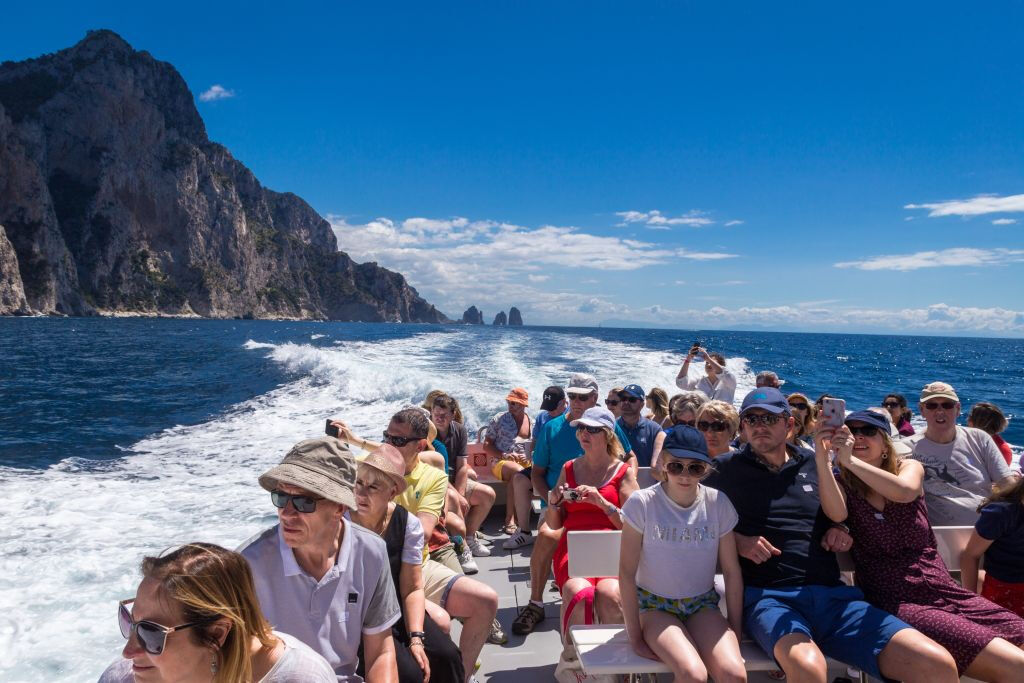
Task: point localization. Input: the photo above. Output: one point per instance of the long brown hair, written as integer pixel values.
(212, 583)
(891, 462)
(1013, 492)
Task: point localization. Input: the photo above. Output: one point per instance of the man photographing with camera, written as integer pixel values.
(718, 383)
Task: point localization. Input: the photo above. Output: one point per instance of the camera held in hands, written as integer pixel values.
(573, 495)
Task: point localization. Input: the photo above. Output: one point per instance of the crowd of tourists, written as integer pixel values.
(372, 556)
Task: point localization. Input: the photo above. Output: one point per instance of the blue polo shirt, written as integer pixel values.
(557, 444)
(785, 508)
(641, 438)
(1003, 524)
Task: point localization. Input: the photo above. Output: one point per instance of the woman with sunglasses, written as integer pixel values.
(719, 422)
(803, 411)
(588, 496)
(896, 405)
(682, 410)
(195, 618)
(424, 652)
(676, 532)
(894, 550)
(612, 402)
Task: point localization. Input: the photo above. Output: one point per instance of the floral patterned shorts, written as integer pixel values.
(681, 607)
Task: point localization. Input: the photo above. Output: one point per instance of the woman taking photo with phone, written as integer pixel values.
(894, 550)
(675, 534)
(588, 496)
(195, 619)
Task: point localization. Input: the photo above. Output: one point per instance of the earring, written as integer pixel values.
(885, 456)
(213, 663)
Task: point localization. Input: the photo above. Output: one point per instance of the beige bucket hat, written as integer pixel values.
(321, 466)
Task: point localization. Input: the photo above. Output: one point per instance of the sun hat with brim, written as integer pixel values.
(321, 466)
(388, 461)
(518, 395)
(683, 441)
(766, 398)
(595, 417)
(581, 384)
(938, 390)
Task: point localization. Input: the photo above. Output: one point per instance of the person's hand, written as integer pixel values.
(757, 549)
(823, 440)
(557, 495)
(641, 647)
(836, 540)
(344, 433)
(420, 655)
(589, 494)
(842, 444)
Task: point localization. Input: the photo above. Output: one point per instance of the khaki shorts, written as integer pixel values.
(438, 580)
(447, 556)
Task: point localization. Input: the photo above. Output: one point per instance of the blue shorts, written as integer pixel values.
(837, 618)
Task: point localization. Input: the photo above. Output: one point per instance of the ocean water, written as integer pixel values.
(120, 438)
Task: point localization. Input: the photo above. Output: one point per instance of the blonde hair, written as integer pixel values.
(891, 462)
(371, 475)
(659, 404)
(723, 411)
(212, 583)
(614, 446)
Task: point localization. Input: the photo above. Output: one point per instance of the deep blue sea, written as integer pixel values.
(121, 437)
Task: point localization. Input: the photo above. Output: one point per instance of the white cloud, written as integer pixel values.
(216, 92)
(538, 278)
(733, 222)
(702, 255)
(976, 206)
(1004, 221)
(961, 256)
(656, 220)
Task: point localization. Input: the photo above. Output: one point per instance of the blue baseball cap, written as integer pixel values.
(683, 441)
(766, 398)
(868, 417)
(634, 390)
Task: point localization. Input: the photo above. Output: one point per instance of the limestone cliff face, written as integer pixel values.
(500, 319)
(114, 200)
(515, 317)
(12, 291)
(472, 316)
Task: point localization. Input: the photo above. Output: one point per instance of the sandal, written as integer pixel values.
(509, 529)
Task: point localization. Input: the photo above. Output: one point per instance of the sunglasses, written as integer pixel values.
(152, 636)
(799, 406)
(765, 419)
(866, 430)
(629, 399)
(891, 404)
(694, 469)
(589, 429)
(400, 441)
(305, 504)
(688, 423)
(716, 426)
(935, 405)
(611, 403)
(580, 397)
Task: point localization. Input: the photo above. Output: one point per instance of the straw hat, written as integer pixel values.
(388, 460)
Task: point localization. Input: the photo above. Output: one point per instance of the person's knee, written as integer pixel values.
(608, 591)
(573, 586)
(691, 670)
(803, 659)
(729, 671)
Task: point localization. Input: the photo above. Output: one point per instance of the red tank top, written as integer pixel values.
(584, 516)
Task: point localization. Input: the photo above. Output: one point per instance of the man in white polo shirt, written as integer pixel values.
(320, 578)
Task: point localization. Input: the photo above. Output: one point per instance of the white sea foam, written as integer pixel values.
(75, 532)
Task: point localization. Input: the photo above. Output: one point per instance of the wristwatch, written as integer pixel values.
(418, 634)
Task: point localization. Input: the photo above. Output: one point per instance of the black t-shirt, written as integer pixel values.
(455, 441)
(784, 507)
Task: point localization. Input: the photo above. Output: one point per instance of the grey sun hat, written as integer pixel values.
(321, 466)
(581, 383)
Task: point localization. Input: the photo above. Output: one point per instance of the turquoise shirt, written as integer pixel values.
(557, 444)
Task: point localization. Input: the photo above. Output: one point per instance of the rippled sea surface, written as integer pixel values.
(121, 437)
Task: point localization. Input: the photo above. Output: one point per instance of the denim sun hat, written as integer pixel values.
(683, 441)
(598, 416)
(634, 390)
(868, 417)
(766, 398)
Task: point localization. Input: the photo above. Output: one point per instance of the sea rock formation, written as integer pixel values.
(515, 317)
(114, 200)
(501, 319)
(473, 316)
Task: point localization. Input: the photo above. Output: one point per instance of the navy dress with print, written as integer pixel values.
(900, 570)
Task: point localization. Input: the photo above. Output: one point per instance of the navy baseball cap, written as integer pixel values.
(683, 441)
(553, 395)
(868, 417)
(766, 398)
(634, 390)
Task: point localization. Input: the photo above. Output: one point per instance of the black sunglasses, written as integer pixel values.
(799, 406)
(866, 430)
(716, 426)
(765, 419)
(694, 469)
(611, 402)
(891, 404)
(152, 636)
(590, 430)
(935, 405)
(398, 441)
(629, 399)
(302, 503)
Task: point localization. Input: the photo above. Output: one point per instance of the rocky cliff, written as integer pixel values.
(473, 317)
(500, 319)
(114, 200)
(515, 317)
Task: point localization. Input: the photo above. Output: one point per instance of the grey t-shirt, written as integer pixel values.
(298, 664)
(958, 475)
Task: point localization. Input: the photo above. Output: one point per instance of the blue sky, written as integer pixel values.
(712, 165)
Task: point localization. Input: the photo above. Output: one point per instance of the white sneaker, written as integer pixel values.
(468, 563)
(477, 549)
(518, 541)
